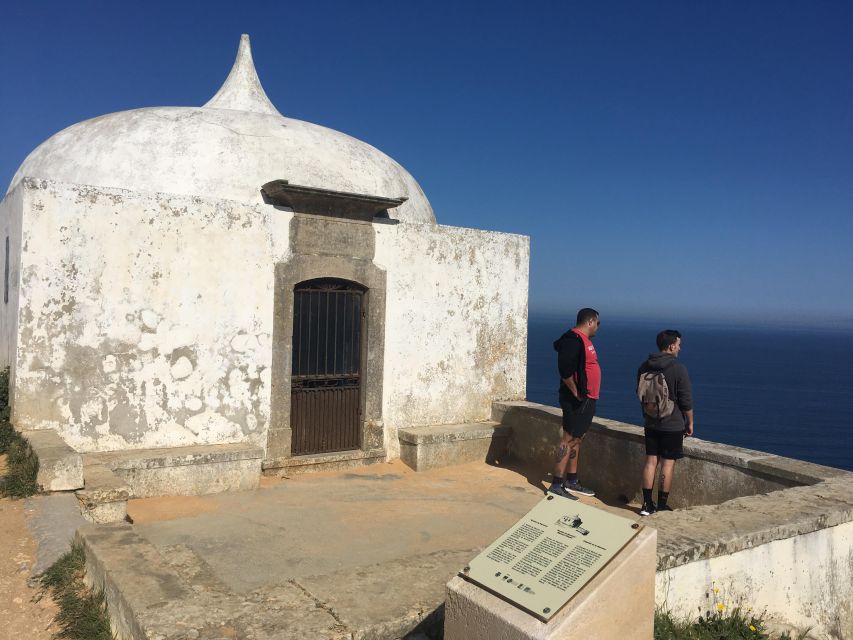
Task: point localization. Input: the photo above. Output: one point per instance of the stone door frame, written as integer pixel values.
(300, 268)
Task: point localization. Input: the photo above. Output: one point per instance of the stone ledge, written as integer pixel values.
(515, 413)
(195, 470)
(177, 456)
(104, 496)
(703, 532)
(337, 461)
(438, 434)
(798, 471)
(60, 466)
(433, 447)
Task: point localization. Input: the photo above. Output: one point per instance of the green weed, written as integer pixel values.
(82, 611)
(7, 433)
(22, 469)
(22, 465)
(720, 625)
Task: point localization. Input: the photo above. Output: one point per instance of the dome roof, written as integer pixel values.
(228, 148)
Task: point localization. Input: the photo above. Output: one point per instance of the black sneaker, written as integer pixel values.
(558, 490)
(648, 509)
(578, 489)
(664, 507)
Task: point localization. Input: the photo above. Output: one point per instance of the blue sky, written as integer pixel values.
(687, 160)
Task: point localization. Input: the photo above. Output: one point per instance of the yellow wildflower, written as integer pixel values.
(752, 628)
(716, 590)
(720, 607)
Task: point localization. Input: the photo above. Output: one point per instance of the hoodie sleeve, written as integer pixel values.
(684, 392)
(569, 357)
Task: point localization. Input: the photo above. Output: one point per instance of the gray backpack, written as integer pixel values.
(653, 393)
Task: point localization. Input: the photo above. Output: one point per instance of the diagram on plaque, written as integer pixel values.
(550, 554)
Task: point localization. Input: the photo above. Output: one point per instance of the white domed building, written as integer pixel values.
(224, 275)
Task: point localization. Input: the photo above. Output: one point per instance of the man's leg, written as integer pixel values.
(562, 457)
(667, 469)
(648, 483)
(560, 463)
(672, 449)
(574, 454)
(580, 427)
(571, 482)
(649, 472)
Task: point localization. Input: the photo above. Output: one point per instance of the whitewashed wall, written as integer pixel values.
(456, 323)
(805, 580)
(145, 320)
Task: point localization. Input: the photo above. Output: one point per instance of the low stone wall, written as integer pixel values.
(613, 454)
(751, 528)
(185, 471)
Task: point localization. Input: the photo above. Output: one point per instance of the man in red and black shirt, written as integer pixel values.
(580, 384)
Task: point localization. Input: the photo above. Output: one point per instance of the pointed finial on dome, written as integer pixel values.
(242, 90)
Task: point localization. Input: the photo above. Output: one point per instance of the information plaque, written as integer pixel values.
(550, 554)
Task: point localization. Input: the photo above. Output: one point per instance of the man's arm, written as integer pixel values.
(570, 384)
(688, 429)
(685, 400)
(568, 361)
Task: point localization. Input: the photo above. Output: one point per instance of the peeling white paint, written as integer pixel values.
(174, 313)
(456, 324)
(182, 368)
(150, 319)
(110, 364)
(130, 346)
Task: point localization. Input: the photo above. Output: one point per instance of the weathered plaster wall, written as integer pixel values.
(456, 323)
(805, 580)
(145, 319)
(10, 226)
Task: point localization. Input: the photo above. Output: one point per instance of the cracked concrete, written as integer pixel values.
(361, 555)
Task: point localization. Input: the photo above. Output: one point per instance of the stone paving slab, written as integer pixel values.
(52, 519)
(360, 555)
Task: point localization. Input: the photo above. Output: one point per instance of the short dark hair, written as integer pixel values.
(586, 314)
(667, 338)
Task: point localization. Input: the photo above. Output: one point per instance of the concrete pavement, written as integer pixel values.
(364, 554)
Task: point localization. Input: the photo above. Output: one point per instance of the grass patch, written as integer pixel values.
(21, 462)
(734, 625)
(82, 611)
(7, 433)
(22, 468)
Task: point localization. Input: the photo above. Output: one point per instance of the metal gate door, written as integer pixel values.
(325, 396)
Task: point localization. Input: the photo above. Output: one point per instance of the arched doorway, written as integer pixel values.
(326, 375)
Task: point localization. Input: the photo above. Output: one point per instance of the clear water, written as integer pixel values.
(784, 391)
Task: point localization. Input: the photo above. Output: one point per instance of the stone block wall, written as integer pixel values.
(146, 320)
(614, 452)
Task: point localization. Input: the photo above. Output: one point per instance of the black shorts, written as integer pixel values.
(665, 444)
(577, 416)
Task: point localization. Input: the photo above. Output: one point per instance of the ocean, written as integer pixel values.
(783, 391)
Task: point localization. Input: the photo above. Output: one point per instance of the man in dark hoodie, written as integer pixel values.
(580, 384)
(665, 435)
